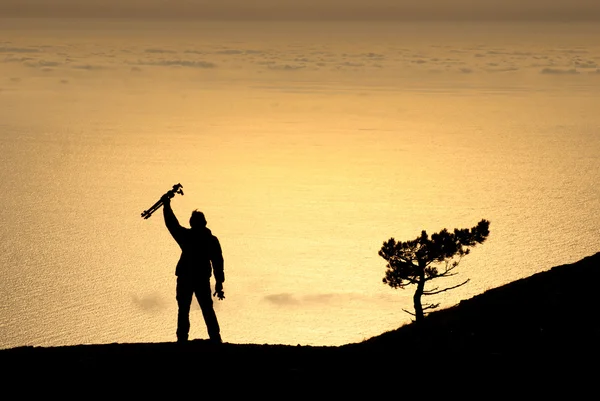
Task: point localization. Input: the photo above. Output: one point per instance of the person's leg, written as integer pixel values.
(204, 296)
(185, 291)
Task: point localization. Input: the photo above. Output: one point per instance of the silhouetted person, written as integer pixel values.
(200, 254)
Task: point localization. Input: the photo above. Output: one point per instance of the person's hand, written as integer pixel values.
(166, 199)
(219, 291)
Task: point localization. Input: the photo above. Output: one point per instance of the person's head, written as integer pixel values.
(197, 220)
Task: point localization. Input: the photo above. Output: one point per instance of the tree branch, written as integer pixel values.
(431, 306)
(413, 281)
(455, 265)
(440, 275)
(408, 261)
(445, 289)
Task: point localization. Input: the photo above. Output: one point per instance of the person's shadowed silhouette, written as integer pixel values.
(201, 255)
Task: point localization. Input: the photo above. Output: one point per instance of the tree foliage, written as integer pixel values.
(426, 258)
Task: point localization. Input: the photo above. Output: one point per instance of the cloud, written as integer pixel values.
(287, 299)
(351, 64)
(496, 68)
(586, 64)
(180, 63)
(511, 53)
(148, 302)
(88, 67)
(319, 298)
(160, 51)
(230, 51)
(17, 59)
(41, 63)
(559, 71)
(520, 53)
(574, 51)
(45, 65)
(549, 63)
(282, 299)
(18, 50)
(286, 67)
(227, 52)
(374, 56)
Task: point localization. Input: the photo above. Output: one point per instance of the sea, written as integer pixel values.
(306, 145)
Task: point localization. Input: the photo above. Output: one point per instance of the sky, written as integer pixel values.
(309, 9)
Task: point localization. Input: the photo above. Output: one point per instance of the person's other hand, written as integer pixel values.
(219, 291)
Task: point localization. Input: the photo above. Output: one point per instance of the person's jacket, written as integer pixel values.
(200, 249)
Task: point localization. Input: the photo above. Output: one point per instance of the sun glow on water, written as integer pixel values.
(304, 155)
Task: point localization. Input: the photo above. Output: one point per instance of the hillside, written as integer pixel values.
(554, 311)
(545, 324)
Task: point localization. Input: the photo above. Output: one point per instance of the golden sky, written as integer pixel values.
(309, 9)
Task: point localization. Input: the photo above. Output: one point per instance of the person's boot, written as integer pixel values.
(216, 339)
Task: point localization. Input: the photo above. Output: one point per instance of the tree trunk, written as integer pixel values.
(417, 297)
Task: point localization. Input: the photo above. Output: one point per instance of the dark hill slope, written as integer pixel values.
(546, 324)
(553, 313)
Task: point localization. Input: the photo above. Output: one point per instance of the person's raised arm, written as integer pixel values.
(170, 220)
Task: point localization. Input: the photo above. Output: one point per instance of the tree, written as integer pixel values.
(424, 259)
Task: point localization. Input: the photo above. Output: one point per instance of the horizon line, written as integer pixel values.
(219, 18)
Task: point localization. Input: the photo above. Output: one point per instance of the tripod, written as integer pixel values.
(177, 189)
